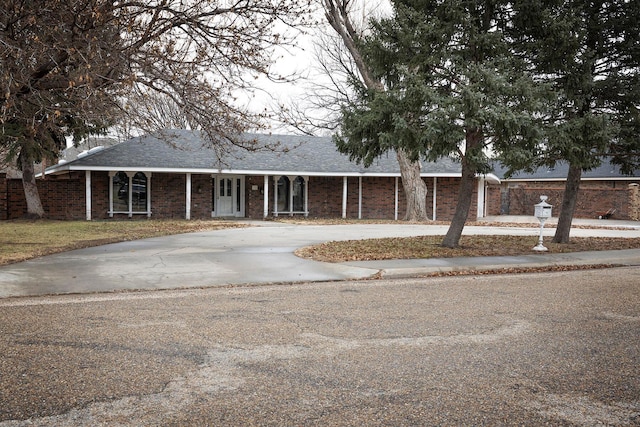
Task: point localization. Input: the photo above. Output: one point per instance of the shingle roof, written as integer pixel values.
(187, 151)
(606, 171)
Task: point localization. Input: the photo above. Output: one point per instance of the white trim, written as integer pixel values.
(88, 194)
(306, 196)
(65, 168)
(276, 178)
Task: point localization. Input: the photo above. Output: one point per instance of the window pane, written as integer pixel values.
(121, 192)
(139, 193)
(283, 194)
(228, 181)
(221, 188)
(298, 194)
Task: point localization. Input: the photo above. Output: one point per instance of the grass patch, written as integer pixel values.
(21, 240)
(429, 247)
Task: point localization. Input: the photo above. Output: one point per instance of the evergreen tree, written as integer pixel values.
(453, 88)
(589, 52)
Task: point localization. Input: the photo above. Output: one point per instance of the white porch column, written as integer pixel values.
(275, 195)
(188, 198)
(344, 197)
(291, 183)
(130, 177)
(359, 197)
(265, 187)
(395, 198)
(111, 175)
(87, 186)
(306, 196)
(148, 174)
(481, 197)
(435, 204)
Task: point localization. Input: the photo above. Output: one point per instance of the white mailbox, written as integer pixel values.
(543, 209)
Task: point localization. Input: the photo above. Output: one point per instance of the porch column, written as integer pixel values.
(291, 183)
(149, 174)
(435, 204)
(265, 186)
(306, 196)
(359, 197)
(275, 195)
(87, 186)
(395, 197)
(344, 197)
(188, 198)
(481, 197)
(111, 175)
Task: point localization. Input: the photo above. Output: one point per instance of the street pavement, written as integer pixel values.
(543, 349)
(264, 253)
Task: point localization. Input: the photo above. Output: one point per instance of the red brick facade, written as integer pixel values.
(63, 197)
(594, 198)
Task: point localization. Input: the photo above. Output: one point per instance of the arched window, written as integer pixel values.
(139, 193)
(298, 194)
(283, 194)
(129, 193)
(120, 192)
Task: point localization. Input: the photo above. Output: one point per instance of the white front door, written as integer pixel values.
(224, 202)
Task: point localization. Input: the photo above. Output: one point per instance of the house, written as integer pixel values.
(177, 174)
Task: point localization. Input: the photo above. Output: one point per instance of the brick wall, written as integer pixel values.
(594, 198)
(3, 196)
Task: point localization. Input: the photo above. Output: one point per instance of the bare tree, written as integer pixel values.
(69, 68)
(345, 59)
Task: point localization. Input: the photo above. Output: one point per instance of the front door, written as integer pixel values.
(224, 200)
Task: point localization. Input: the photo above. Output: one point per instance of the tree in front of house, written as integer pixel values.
(454, 87)
(589, 52)
(69, 68)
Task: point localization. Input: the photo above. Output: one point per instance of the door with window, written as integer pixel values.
(228, 196)
(224, 202)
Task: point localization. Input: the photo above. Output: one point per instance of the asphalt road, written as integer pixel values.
(532, 349)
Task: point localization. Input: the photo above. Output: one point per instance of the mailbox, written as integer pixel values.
(542, 212)
(543, 209)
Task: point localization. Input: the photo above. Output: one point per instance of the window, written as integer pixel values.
(291, 194)
(129, 193)
(283, 194)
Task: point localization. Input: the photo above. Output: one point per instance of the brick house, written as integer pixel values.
(177, 175)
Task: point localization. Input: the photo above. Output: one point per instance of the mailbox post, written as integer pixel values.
(542, 212)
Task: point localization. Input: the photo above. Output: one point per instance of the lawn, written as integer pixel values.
(21, 240)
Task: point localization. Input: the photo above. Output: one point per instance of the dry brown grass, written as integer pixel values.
(22, 240)
(429, 247)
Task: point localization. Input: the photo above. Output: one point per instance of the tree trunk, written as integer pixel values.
(34, 205)
(415, 189)
(568, 205)
(465, 193)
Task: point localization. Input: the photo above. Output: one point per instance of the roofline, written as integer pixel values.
(69, 167)
(601, 178)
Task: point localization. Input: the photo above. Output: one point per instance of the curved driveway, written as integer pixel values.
(262, 253)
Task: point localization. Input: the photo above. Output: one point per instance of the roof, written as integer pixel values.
(186, 151)
(606, 171)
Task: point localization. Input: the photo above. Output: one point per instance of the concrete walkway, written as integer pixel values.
(263, 253)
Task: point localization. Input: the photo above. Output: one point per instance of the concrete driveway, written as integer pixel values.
(261, 253)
